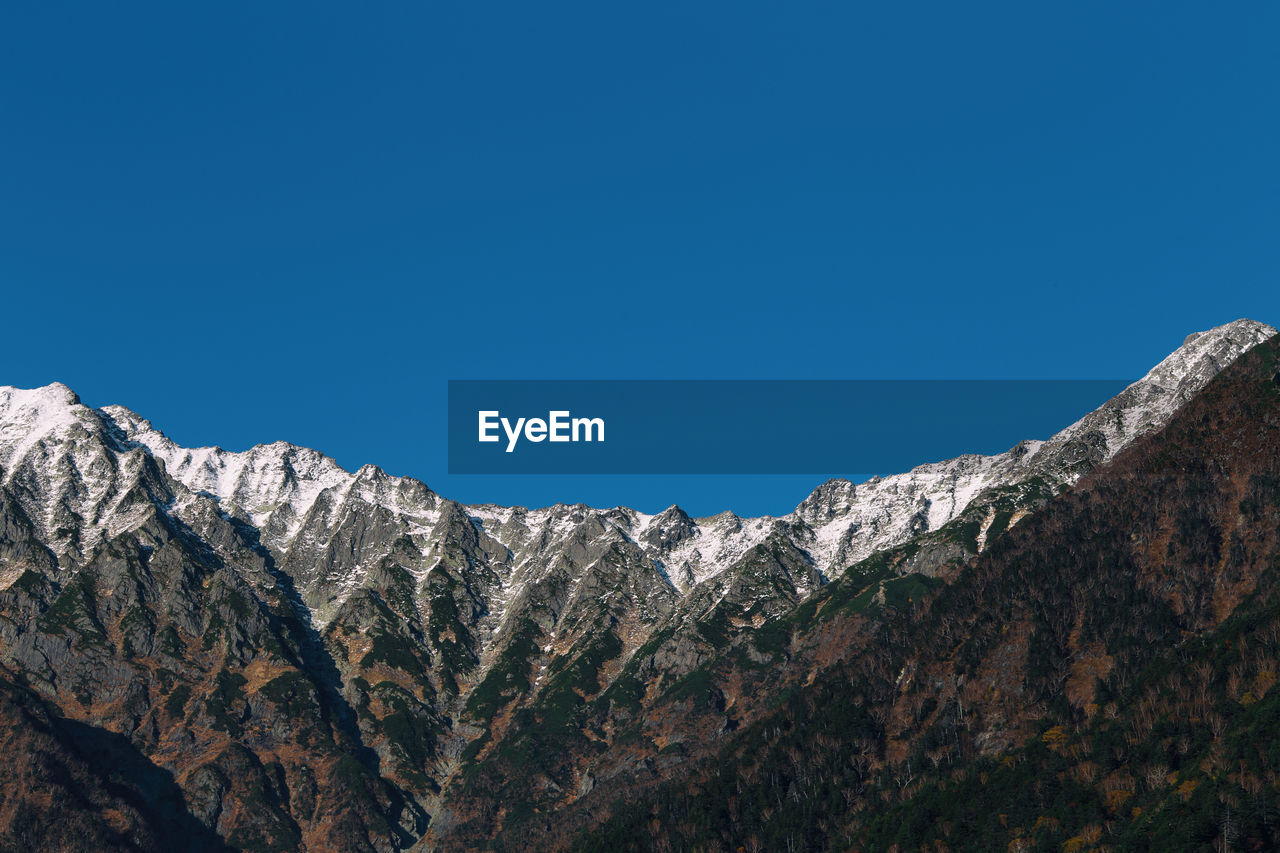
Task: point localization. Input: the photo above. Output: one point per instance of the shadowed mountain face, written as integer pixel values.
(70, 786)
(264, 651)
(1099, 676)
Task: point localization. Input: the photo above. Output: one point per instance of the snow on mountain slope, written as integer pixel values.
(273, 484)
(72, 481)
(73, 466)
(851, 521)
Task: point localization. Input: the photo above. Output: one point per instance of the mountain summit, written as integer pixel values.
(332, 659)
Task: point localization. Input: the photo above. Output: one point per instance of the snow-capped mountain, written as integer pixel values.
(74, 468)
(81, 477)
(274, 599)
(852, 521)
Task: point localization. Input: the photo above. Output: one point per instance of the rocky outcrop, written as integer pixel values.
(345, 660)
(1102, 675)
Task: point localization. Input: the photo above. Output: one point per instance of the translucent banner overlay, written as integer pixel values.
(822, 427)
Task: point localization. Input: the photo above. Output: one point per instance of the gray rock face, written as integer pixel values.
(75, 478)
(419, 620)
(850, 522)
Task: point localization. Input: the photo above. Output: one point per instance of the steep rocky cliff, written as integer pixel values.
(289, 655)
(1100, 677)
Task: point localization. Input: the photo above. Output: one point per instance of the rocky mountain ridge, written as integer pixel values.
(1101, 677)
(293, 494)
(267, 619)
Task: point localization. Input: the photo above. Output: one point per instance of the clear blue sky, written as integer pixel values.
(255, 221)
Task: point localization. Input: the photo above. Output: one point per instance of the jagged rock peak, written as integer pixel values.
(287, 491)
(851, 522)
(668, 528)
(1203, 354)
(829, 499)
(29, 414)
(1243, 330)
